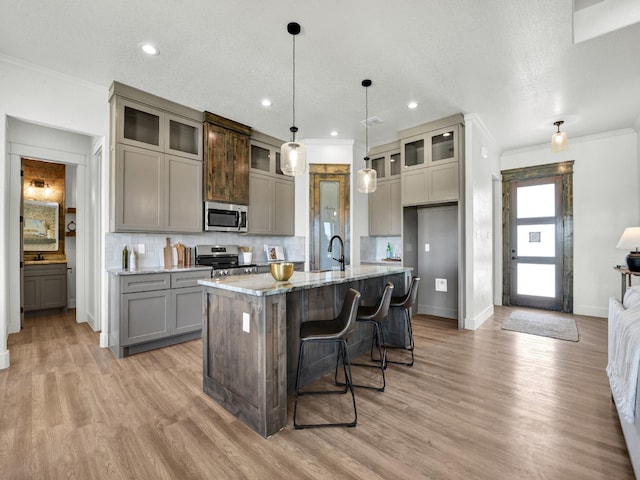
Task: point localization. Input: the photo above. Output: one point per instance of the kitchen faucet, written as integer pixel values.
(341, 259)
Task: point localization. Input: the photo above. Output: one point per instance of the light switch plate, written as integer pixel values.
(246, 322)
(141, 248)
(441, 284)
(427, 247)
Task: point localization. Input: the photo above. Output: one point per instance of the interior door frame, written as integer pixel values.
(340, 173)
(564, 170)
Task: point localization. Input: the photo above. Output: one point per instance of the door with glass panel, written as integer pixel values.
(536, 256)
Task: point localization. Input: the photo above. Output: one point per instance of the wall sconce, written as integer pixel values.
(39, 184)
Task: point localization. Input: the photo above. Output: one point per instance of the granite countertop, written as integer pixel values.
(158, 269)
(263, 284)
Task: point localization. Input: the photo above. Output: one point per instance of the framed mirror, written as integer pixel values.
(40, 226)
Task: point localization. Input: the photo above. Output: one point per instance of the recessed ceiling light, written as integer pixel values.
(266, 102)
(334, 133)
(412, 105)
(150, 49)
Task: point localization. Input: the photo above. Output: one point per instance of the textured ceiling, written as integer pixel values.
(511, 62)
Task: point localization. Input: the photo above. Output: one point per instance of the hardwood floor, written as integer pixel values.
(489, 404)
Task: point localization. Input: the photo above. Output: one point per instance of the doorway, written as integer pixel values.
(538, 237)
(329, 205)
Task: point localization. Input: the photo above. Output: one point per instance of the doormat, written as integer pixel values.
(554, 326)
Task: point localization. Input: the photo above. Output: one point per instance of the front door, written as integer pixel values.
(536, 243)
(537, 236)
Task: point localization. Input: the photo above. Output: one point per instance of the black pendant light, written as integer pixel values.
(294, 154)
(367, 177)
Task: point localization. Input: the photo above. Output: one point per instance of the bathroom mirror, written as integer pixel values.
(40, 226)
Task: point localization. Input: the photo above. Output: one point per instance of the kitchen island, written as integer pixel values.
(251, 334)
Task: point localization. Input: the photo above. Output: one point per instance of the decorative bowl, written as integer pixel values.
(281, 271)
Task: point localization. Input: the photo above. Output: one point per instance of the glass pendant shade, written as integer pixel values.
(293, 158)
(367, 180)
(559, 142)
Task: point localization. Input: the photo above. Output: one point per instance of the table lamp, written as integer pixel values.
(630, 240)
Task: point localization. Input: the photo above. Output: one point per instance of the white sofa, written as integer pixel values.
(623, 367)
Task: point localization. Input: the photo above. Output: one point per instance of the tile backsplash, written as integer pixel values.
(373, 249)
(293, 247)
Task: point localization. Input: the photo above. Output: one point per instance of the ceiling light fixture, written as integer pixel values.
(149, 49)
(334, 133)
(559, 141)
(367, 177)
(294, 154)
(412, 105)
(266, 102)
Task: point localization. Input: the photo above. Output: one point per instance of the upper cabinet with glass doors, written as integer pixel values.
(430, 161)
(441, 147)
(140, 125)
(385, 208)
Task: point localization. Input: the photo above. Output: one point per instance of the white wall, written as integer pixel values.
(43, 97)
(482, 166)
(606, 200)
(330, 152)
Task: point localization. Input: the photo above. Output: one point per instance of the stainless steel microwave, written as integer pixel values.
(225, 217)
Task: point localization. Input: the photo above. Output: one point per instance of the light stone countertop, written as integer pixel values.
(263, 284)
(159, 269)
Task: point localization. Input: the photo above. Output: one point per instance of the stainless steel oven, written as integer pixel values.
(225, 217)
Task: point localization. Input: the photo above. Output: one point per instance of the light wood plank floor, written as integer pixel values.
(489, 404)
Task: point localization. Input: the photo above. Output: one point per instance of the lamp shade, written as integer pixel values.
(294, 158)
(559, 142)
(630, 240)
(367, 180)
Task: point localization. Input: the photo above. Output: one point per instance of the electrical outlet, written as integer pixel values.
(246, 322)
(427, 247)
(141, 248)
(441, 284)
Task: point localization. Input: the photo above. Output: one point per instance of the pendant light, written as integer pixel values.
(294, 154)
(367, 177)
(559, 141)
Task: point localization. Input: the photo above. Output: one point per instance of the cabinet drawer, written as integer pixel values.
(145, 283)
(49, 269)
(188, 279)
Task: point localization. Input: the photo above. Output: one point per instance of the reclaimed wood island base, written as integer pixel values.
(251, 335)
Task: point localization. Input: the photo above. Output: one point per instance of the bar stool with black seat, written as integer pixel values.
(405, 302)
(374, 315)
(335, 330)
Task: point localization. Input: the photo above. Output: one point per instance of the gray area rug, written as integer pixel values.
(545, 325)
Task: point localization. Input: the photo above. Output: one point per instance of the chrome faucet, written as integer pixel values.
(341, 259)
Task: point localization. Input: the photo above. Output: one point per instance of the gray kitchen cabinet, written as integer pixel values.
(430, 158)
(184, 195)
(271, 193)
(385, 206)
(157, 144)
(152, 310)
(45, 287)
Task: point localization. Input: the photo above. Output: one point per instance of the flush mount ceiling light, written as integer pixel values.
(559, 141)
(294, 154)
(412, 105)
(367, 177)
(266, 102)
(149, 49)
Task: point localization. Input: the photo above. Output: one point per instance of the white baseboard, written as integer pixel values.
(478, 320)
(4, 359)
(104, 340)
(591, 311)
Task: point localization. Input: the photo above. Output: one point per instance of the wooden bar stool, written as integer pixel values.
(405, 303)
(335, 330)
(375, 315)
